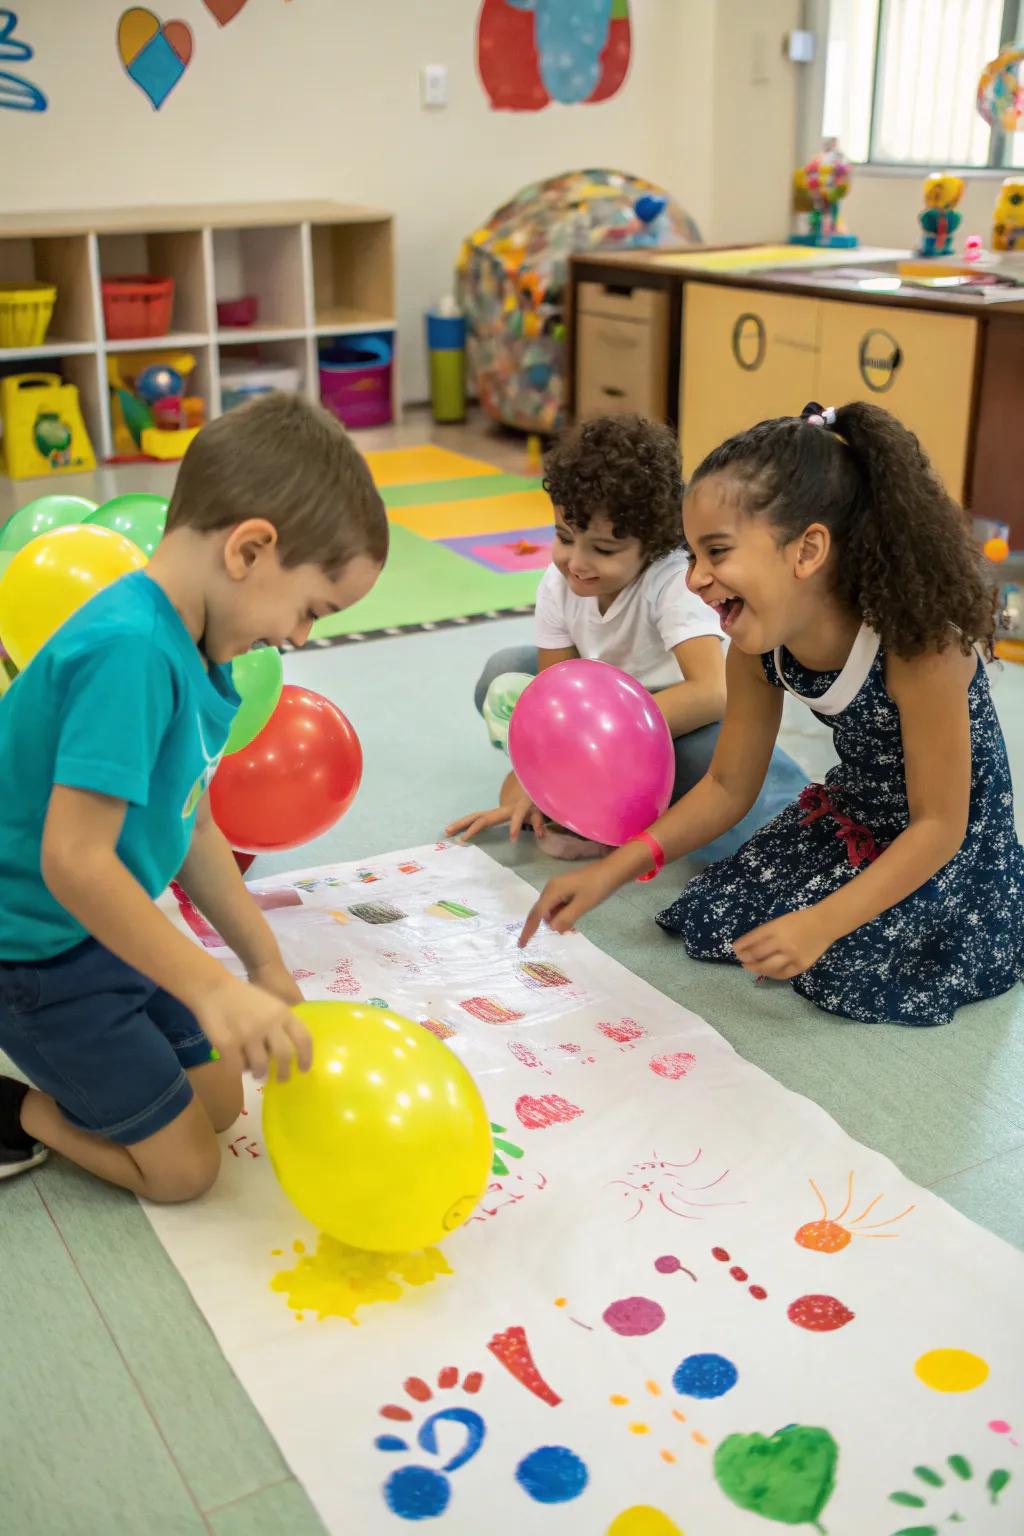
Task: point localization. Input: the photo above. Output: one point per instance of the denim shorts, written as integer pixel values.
(102, 1039)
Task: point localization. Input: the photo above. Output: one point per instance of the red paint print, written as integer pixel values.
(625, 1032)
(674, 1065)
(416, 1388)
(513, 1352)
(549, 1109)
(739, 1273)
(448, 1377)
(527, 1056)
(819, 1314)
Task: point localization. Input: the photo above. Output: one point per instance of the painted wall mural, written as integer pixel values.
(533, 52)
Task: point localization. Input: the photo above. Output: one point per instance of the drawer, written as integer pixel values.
(620, 366)
(623, 301)
(914, 363)
(747, 355)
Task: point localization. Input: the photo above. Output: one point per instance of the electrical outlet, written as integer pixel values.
(434, 85)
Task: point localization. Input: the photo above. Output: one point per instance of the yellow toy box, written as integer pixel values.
(44, 433)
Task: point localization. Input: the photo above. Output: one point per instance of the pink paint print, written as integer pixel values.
(490, 1011)
(549, 1109)
(673, 1065)
(625, 1032)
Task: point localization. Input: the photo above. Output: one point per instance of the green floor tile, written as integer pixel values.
(281, 1511)
(991, 1194)
(219, 1440)
(80, 1454)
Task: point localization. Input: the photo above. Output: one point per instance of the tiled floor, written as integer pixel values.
(118, 1414)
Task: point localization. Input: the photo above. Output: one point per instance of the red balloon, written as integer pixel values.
(293, 780)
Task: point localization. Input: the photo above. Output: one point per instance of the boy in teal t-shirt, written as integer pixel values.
(108, 742)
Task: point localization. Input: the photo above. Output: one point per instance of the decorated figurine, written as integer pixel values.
(939, 220)
(818, 188)
(1008, 216)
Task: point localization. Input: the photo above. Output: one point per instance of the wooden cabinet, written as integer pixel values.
(918, 365)
(747, 355)
(622, 338)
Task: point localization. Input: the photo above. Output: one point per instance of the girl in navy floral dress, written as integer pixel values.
(844, 574)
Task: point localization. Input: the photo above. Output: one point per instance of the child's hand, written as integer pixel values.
(275, 977)
(515, 813)
(786, 947)
(240, 1019)
(564, 899)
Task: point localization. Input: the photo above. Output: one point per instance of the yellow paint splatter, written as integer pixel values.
(654, 1389)
(561, 1301)
(277, 1252)
(697, 1437)
(667, 1456)
(639, 1429)
(677, 1413)
(336, 1280)
(618, 1400)
(951, 1370)
(298, 1246)
(643, 1520)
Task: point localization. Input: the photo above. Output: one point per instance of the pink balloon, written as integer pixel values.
(592, 750)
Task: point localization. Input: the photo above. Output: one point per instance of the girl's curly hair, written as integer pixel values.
(626, 469)
(904, 554)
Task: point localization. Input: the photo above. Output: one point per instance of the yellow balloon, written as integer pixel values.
(385, 1143)
(52, 577)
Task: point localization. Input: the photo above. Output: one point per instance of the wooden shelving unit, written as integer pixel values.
(318, 269)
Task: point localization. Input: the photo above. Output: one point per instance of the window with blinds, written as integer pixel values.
(901, 78)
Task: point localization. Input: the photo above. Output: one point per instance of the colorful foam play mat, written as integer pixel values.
(467, 542)
(687, 1302)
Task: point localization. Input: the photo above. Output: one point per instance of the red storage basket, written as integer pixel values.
(137, 306)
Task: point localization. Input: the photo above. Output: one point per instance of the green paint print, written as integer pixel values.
(962, 1472)
(499, 1167)
(788, 1476)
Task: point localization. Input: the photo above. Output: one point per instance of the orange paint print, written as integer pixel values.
(829, 1235)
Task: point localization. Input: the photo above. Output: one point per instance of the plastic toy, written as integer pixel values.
(818, 189)
(43, 429)
(151, 416)
(511, 275)
(1001, 90)
(25, 313)
(1008, 216)
(939, 220)
(973, 248)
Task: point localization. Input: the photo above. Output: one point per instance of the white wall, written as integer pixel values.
(882, 208)
(321, 98)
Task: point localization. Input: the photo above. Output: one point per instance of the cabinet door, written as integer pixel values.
(917, 364)
(747, 355)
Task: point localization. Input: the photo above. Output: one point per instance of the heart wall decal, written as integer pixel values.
(224, 11)
(154, 53)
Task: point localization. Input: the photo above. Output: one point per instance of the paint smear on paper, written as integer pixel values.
(336, 1280)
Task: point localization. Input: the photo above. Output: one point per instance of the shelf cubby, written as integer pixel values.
(317, 269)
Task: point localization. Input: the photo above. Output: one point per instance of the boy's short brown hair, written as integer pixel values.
(285, 459)
(624, 468)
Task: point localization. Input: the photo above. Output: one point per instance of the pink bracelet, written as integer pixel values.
(657, 854)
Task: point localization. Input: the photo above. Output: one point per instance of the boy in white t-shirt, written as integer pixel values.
(616, 591)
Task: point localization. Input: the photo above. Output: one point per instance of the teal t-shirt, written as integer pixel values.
(120, 702)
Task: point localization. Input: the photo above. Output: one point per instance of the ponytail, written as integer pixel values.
(904, 556)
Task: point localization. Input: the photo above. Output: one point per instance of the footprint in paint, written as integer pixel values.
(551, 1474)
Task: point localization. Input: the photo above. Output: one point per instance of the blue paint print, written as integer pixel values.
(552, 1474)
(705, 1376)
(422, 1493)
(417, 1493)
(571, 39)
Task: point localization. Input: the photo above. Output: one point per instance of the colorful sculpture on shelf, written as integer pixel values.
(818, 189)
(1001, 90)
(511, 274)
(939, 219)
(1008, 216)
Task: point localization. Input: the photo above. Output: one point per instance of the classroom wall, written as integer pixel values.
(300, 98)
(882, 209)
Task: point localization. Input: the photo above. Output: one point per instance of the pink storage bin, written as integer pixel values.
(356, 379)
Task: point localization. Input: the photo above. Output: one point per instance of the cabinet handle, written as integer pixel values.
(615, 339)
(616, 394)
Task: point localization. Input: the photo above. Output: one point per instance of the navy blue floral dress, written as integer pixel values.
(958, 939)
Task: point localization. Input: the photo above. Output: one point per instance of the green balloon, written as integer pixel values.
(39, 516)
(258, 677)
(138, 515)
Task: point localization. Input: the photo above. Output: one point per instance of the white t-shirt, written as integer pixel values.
(653, 614)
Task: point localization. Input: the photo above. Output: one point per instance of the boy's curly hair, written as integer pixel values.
(904, 554)
(626, 469)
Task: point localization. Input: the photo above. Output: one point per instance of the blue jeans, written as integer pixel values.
(694, 751)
